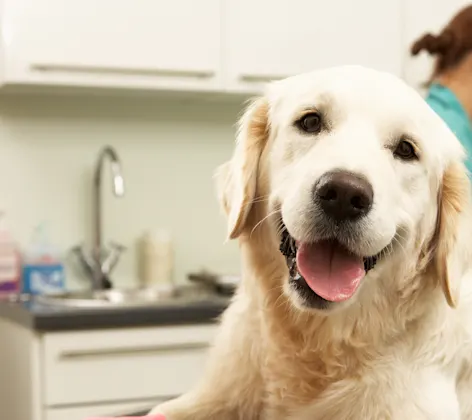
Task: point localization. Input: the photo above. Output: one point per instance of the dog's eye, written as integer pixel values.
(405, 151)
(310, 123)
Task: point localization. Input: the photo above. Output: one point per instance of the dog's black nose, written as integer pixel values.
(343, 195)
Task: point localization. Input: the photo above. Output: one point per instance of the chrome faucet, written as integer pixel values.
(100, 262)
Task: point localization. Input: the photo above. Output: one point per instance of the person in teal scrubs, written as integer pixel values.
(450, 86)
(444, 101)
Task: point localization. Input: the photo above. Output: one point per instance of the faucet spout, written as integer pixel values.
(101, 280)
(118, 180)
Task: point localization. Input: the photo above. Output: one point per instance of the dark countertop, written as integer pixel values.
(45, 318)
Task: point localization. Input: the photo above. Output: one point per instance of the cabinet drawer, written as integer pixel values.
(105, 366)
(105, 410)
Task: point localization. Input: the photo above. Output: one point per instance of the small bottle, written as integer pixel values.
(156, 259)
(10, 261)
(43, 269)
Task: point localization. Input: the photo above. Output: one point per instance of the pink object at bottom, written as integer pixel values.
(155, 417)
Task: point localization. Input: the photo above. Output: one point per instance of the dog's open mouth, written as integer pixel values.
(326, 267)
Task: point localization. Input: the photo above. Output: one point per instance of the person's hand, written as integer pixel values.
(152, 417)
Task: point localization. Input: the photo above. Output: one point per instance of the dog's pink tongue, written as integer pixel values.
(330, 270)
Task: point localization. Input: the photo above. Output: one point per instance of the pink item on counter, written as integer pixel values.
(154, 417)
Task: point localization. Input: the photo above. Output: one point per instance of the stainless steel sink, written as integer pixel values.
(126, 297)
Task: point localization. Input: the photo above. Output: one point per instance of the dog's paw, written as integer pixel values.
(182, 408)
(157, 414)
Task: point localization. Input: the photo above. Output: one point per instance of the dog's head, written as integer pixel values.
(355, 170)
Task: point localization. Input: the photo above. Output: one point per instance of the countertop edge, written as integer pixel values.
(44, 320)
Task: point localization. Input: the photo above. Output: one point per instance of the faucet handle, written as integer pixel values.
(111, 260)
(86, 262)
(116, 245)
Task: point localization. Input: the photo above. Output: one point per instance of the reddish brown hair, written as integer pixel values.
(451, 45)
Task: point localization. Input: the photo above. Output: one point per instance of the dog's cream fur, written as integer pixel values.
(401, 347)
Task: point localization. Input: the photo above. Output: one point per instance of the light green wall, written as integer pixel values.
(169, 150)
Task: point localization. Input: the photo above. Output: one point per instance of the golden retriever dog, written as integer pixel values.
(351, 204)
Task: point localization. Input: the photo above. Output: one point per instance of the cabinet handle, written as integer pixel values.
(261, 78)
(127, 351)
(79, 68)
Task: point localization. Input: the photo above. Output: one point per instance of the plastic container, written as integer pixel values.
(43, 268)
(10, 261)
(156, 259)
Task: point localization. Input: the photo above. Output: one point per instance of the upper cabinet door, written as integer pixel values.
(173, 43)
(269, 39)
(422, 16)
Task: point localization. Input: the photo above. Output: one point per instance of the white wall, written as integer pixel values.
(169, 151)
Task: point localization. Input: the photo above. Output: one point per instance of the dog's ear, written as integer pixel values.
(237, 179)
(450, 256)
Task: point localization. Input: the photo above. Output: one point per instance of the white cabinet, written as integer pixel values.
(75, 375)
(172, 44)
(268, 39)
(422, 16)
(204, 45)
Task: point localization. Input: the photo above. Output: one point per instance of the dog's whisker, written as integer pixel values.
(280, 227)
(259, 223)
(398, 240)
(280, 230)
(256, 200)
(280, 299)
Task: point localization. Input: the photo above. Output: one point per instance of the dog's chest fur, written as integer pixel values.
(296, 376)
(307, 372)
